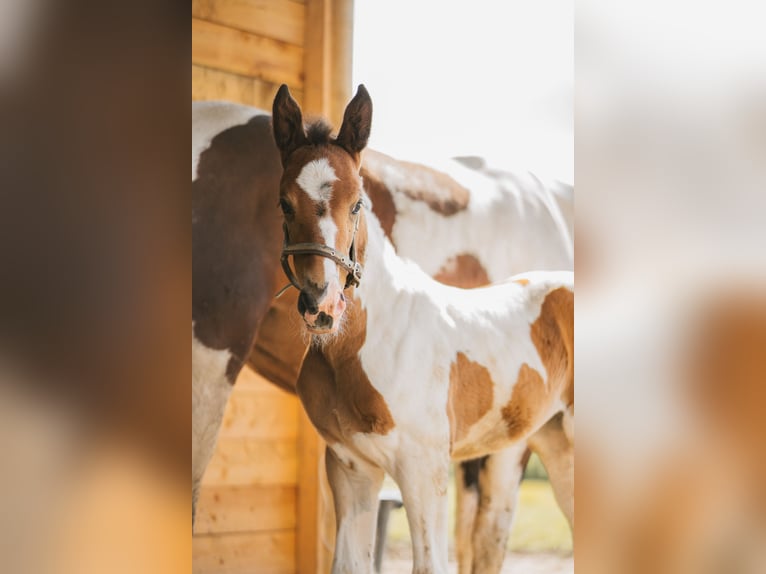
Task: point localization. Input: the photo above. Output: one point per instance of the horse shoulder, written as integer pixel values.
(340, 399)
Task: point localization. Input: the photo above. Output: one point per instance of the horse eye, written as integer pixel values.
(287, 209)
(357, 207)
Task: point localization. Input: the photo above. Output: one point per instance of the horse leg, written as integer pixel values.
(554, 444)
(467, 505)
(355, 485)
(422, 477)
(210, 393)
(499, 479)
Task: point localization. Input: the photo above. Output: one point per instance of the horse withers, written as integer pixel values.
(405, 373)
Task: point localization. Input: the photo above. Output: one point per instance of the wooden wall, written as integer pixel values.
(264, 505)
(247, 513)
(242, 50)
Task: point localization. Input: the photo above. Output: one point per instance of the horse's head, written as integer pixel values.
(321, 197)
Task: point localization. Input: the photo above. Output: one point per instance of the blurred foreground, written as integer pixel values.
(671, 289)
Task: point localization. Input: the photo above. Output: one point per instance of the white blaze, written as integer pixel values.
(316, 179)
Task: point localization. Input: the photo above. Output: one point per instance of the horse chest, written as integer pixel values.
(340, 400)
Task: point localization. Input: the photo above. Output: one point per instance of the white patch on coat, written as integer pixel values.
(329, 232)
(490, 325)
(513, 222)
(210, 119)
(316, 179)
(210, 393)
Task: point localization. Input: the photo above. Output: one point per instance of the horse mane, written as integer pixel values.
(318, 132)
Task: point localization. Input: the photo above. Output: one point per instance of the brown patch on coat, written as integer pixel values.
(336, 392)
(464, 271)
(522, 281)
(382, 201)
(438, 190)
(236, 238)
(471, 390)
(280, 345)
(553, 336)
(528, 397)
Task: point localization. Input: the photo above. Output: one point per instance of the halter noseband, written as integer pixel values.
(350, 264)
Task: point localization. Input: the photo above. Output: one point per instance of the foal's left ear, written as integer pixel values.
(357, 121)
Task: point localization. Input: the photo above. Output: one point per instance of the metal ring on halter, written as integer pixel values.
(353, 268)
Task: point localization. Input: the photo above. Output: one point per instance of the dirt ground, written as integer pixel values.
(515, 563)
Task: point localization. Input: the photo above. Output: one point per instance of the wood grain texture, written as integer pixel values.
(265, 553)
(308, 531)
(328, 57)
(341, 63)
(227, 49)
(212, 84)
(246, 509)
(254, 414)
(244, 461)
(278, 19)
(316, 87)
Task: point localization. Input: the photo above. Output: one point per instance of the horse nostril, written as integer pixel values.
(324, 321)
(307, 303)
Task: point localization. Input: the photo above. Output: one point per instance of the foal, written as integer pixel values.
(406, 373)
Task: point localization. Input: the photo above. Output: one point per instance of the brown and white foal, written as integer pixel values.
(407, 373)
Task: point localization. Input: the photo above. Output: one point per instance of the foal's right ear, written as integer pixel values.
(287, 122)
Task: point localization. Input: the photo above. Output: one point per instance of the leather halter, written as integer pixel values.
(350, 264)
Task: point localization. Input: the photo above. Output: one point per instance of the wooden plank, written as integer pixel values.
(328, 57)
(244, 553)
(212, 84)
(224, 48)
(243, 461)
(326, 514)
(341, 64)
(260, 415)
(316, 87)
(278, 19)
(309, 532)
(245, 509)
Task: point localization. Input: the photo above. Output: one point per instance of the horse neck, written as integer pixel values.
(383, 296)
(387, 277)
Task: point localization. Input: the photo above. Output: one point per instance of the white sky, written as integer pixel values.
(485, 77)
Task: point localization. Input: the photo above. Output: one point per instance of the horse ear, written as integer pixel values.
(287, 122)
(357, 121)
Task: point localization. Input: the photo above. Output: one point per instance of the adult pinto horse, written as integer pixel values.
(419, 372)
(480, 220)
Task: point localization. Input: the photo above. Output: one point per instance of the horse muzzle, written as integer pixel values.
(323, 310)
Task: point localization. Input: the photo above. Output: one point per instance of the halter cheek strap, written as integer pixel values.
(352, 267)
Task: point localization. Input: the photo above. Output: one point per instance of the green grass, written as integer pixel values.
(538, 525)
